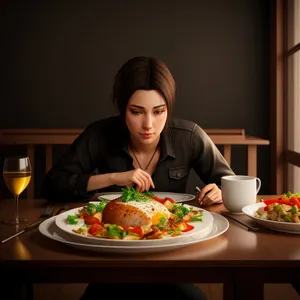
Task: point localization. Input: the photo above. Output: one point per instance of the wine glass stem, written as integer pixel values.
(17, 209)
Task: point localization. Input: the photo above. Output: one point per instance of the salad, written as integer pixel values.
(284, 209)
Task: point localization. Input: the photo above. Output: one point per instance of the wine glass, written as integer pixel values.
(16, 174)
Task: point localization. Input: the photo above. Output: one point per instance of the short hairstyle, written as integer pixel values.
(143, 73)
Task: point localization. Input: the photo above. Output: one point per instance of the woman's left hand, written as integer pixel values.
(210, 194)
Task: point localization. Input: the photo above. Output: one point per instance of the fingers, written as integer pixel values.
(210, 194)
(205, 191)
(139, 184)
(210, 199)
(201, 195)
(143, 180)
(152, 183)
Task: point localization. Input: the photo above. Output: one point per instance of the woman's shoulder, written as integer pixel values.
(187, 129)
(183, 124)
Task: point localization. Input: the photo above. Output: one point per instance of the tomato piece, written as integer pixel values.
(137, 230)
(90, 220)
(188, 227)
(162, 201)
(295, 201)
(84, 214)
(127, 227)
(95, 229)
(170, 199)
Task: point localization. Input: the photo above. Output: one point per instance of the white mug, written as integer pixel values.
(239, 191)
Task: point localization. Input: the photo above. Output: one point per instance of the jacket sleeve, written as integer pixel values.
(207, 160)
(67, 180)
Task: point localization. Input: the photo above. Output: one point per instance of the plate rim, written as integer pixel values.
(264, 221)
(216, 218)
(171, 240)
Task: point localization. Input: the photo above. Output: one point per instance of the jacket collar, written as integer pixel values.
(166, 144)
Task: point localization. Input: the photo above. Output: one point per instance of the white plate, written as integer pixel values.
(250, 210)
(200, 228)
(49, 229)
(177, 197)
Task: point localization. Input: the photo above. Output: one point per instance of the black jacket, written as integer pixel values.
(102, 148)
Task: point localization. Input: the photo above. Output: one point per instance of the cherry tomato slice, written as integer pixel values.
(137, 230)
(90, 220)
(95, 229)
(162, 201)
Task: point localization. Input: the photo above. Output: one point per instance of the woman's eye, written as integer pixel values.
(159, 112)
(135, 112)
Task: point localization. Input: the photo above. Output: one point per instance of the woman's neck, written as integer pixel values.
(144, 148)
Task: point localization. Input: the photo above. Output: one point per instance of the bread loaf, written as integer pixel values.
(134, 213)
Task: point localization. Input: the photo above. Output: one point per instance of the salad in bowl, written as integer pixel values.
(284, 209)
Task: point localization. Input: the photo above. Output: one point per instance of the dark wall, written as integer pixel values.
(59, 59)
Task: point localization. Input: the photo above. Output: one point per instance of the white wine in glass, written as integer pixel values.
(16, 174)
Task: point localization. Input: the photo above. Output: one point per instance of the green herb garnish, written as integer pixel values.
(287, 219)
(150, 194)
(92, 208)
(101, 205)
(72, 219)
(162, 222)
(197, 217)
(131, 194)
(179, 210)
(294, 210)
(114, 230)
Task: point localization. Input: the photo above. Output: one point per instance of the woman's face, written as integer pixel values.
(146, 115)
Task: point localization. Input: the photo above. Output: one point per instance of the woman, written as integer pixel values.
(142, 147)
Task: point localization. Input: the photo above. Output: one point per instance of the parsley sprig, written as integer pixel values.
(92, 208)
(72, 219)
(131, 194)
(180, 210)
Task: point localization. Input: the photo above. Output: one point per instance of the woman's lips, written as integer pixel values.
(146, 135)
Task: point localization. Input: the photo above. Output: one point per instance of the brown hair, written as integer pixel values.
(143, 73)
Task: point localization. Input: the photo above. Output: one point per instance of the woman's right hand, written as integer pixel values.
(141, 179)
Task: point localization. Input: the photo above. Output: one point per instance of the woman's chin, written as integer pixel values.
(147, 141)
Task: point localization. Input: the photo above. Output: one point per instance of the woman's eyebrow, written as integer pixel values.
(137, 106)
(141, 107)
(159, 105)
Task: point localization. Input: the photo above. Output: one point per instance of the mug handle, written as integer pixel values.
(258, 185)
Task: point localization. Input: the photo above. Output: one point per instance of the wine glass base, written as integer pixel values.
(15, 222)
(12, 222)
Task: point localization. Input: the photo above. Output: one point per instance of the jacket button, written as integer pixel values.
(178, 174)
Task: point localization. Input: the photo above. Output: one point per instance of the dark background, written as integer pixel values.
(59, 59)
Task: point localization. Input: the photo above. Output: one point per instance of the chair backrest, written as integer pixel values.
(50, 137)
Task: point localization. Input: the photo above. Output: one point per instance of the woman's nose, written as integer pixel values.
(147, 124)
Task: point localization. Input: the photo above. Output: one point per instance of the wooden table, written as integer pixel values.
(243, 261)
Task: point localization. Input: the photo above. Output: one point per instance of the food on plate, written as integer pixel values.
(134, 213)
(284, 209)
(135, 216)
